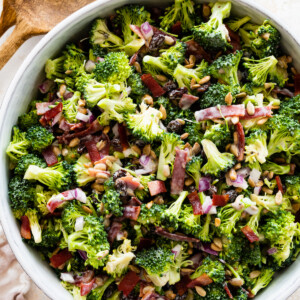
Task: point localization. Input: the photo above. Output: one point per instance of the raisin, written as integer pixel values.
(116, 143)
(177, 93)
(157, 41)
(174, 126)
(203, 88)
(140, 143)
(169, 86)
(232, 195)
(119, 174)
(212, 190)
(121, 187)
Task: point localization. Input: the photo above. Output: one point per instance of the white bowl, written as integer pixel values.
(23, 89)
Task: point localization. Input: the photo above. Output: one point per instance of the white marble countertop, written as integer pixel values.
(287, 10)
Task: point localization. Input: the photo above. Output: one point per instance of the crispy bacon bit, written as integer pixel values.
(193, 48)
(218, 112)
(43, 121)
(174, 236)
(92, 149)
(202, 280)
(176, 28)
(131, 212)
(25, 228)
(297, 84)
(131, 182)
(279, 184)
(181, 286)
(114, 229)
(241, 141)
(177, 181)
(85, 288)
(49, 156)
(260, 112)
(128, 283)
(235, 40)
(250, 234)
(123, 137)
(134, 201)
(227, 290)
(43, 107)
(50, 114)
(60, 258)
(292, 169)
(220, 200)
(156, 187)
(195, 202)
(152, 85)
(133, 58)
(187, 101)
(283, 92)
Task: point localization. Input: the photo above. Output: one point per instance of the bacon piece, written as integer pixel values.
(25, 228)
(152, 85)
(223, 111)
(123, 137)
(156, 187)
(105, 150)
(187, 101)
(279, 184)
(181, 286)
(241, 141)
(174, 236)
(85, 288)
(128, 283)
(49, 156)
(227, 290)
(137, 31)
(202, 280)
(43, 107)
(292, 169)
(158, 31)
(193, 48)
(283, 92)
(114, 229)
(235, 40)
(131, 212)
(134, 201)
(56, 118)
(77, 126)
(176, 28)
(220, 200)
(177, 181)
(92, 149)
(60, 258)
(260, 112)
(196, 204)
(133, 58)
(131, 182)
(250, 234)
(50, 114)
(297, 84)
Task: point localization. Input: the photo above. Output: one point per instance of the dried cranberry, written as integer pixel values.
(169, 86)
(157, 41)
(203, 88)
(174, 126)
(119, 174)
(116, 143)
(177, 94)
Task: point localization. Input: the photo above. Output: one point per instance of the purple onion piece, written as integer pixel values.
(82, 117)
(204, 184)
(272, 250)
(82, 254)
(244, 172)
(144, 160)
(146, 30)
(46, 86)
(68, 95)
(206, 248)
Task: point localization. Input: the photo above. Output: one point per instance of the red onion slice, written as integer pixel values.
(245, 172)
(176, 250)
(205, 247)
(147, 30)
(207, 205)
(82, 254)
(82, 117)
(67, 277)
(257, 190)
(46, 86)
(79, 223)
(144, 160)
(255, 175)
(272, 250)
(204, 184)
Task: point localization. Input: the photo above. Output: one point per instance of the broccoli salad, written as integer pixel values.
(160, 158)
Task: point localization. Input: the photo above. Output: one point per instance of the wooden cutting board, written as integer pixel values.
(32, 17)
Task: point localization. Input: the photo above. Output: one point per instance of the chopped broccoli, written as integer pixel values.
(151, 215)
(225, 68)
(39, 137)
(144, 193)
(252, 254)
(193, 168)
(174, 55)
(279, 75)
(233, 247)
(181, 11)
(73, 290)
(167, 154)
(219, 134)
(54, 68)
(18, 146)
(189, 223)
(146, 124)
(269, 203)
(277, 169)
(292, 184)
(213, 292)
(256, 147)
(29, 159)
(111, 200)
(194, 130)
(35, 227)
(138, 88)
(206, 232)
(262, 280)
(97, 293)
(216, 162)
(235, 24)
(27, 120)
(74, 59)
(253, 221)
(290, 108)
(70, 108)
(41, 200)
(82, 174)
(213, 35)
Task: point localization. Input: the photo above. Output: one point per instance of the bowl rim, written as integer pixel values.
(76, 17)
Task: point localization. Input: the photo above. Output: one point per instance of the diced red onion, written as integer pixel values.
(92, 118)
(144, 160)
(147, 30)
(80, 195)
(257, 190)
(141, 172)
(56, 119)
(176, 250)
(272, 250)
(68, 95)
(255, 175)
(46, 86)
(207, 205)
(204, 184)
(82, 254)
(79, 223)
(100, 59)
(90, 66)
(67, 277)
(205, 247)
(82, 117)
(245, 172)
(127, 152)
(213, 210)
(239, 182)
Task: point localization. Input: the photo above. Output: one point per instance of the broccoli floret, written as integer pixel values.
(277, 169)
(167, 154)
(74, 59)
(219, 134)
(97, 293)
(102, 36)
(144, 193)
(233, 247)
(138, 88)
(213, 35)
(284, 135)
(259, 69)
(41, 200)
(189, 223)
(155, 66)
(151, 215)
(292, 184)
(35, 227)
(183, 75)
(194, 131)
(27, 120)
(256, 147)
(206, 233)
(252, 254)
(112, 202)
(213, 268)
(82, 174)
(26, 160)
(114, 110)
(213, 292)
(54, 68)
(235, 24)
(290, 108)
(170, 217)
(146, 124)
(216, 94)
(181, 11)
(22, 194)
(253, 222)
(157, 263)
(262, 280)
(225, 68)
(70, 108)
(58, 177)
(93, 240)
(114, 69)
(18, 146)
(73, 290)
(269, 203)
(279, 75)
(193, 168)
(174, 55)
(216, 162)
(279, 229)
(39, 138)
(118, 262)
